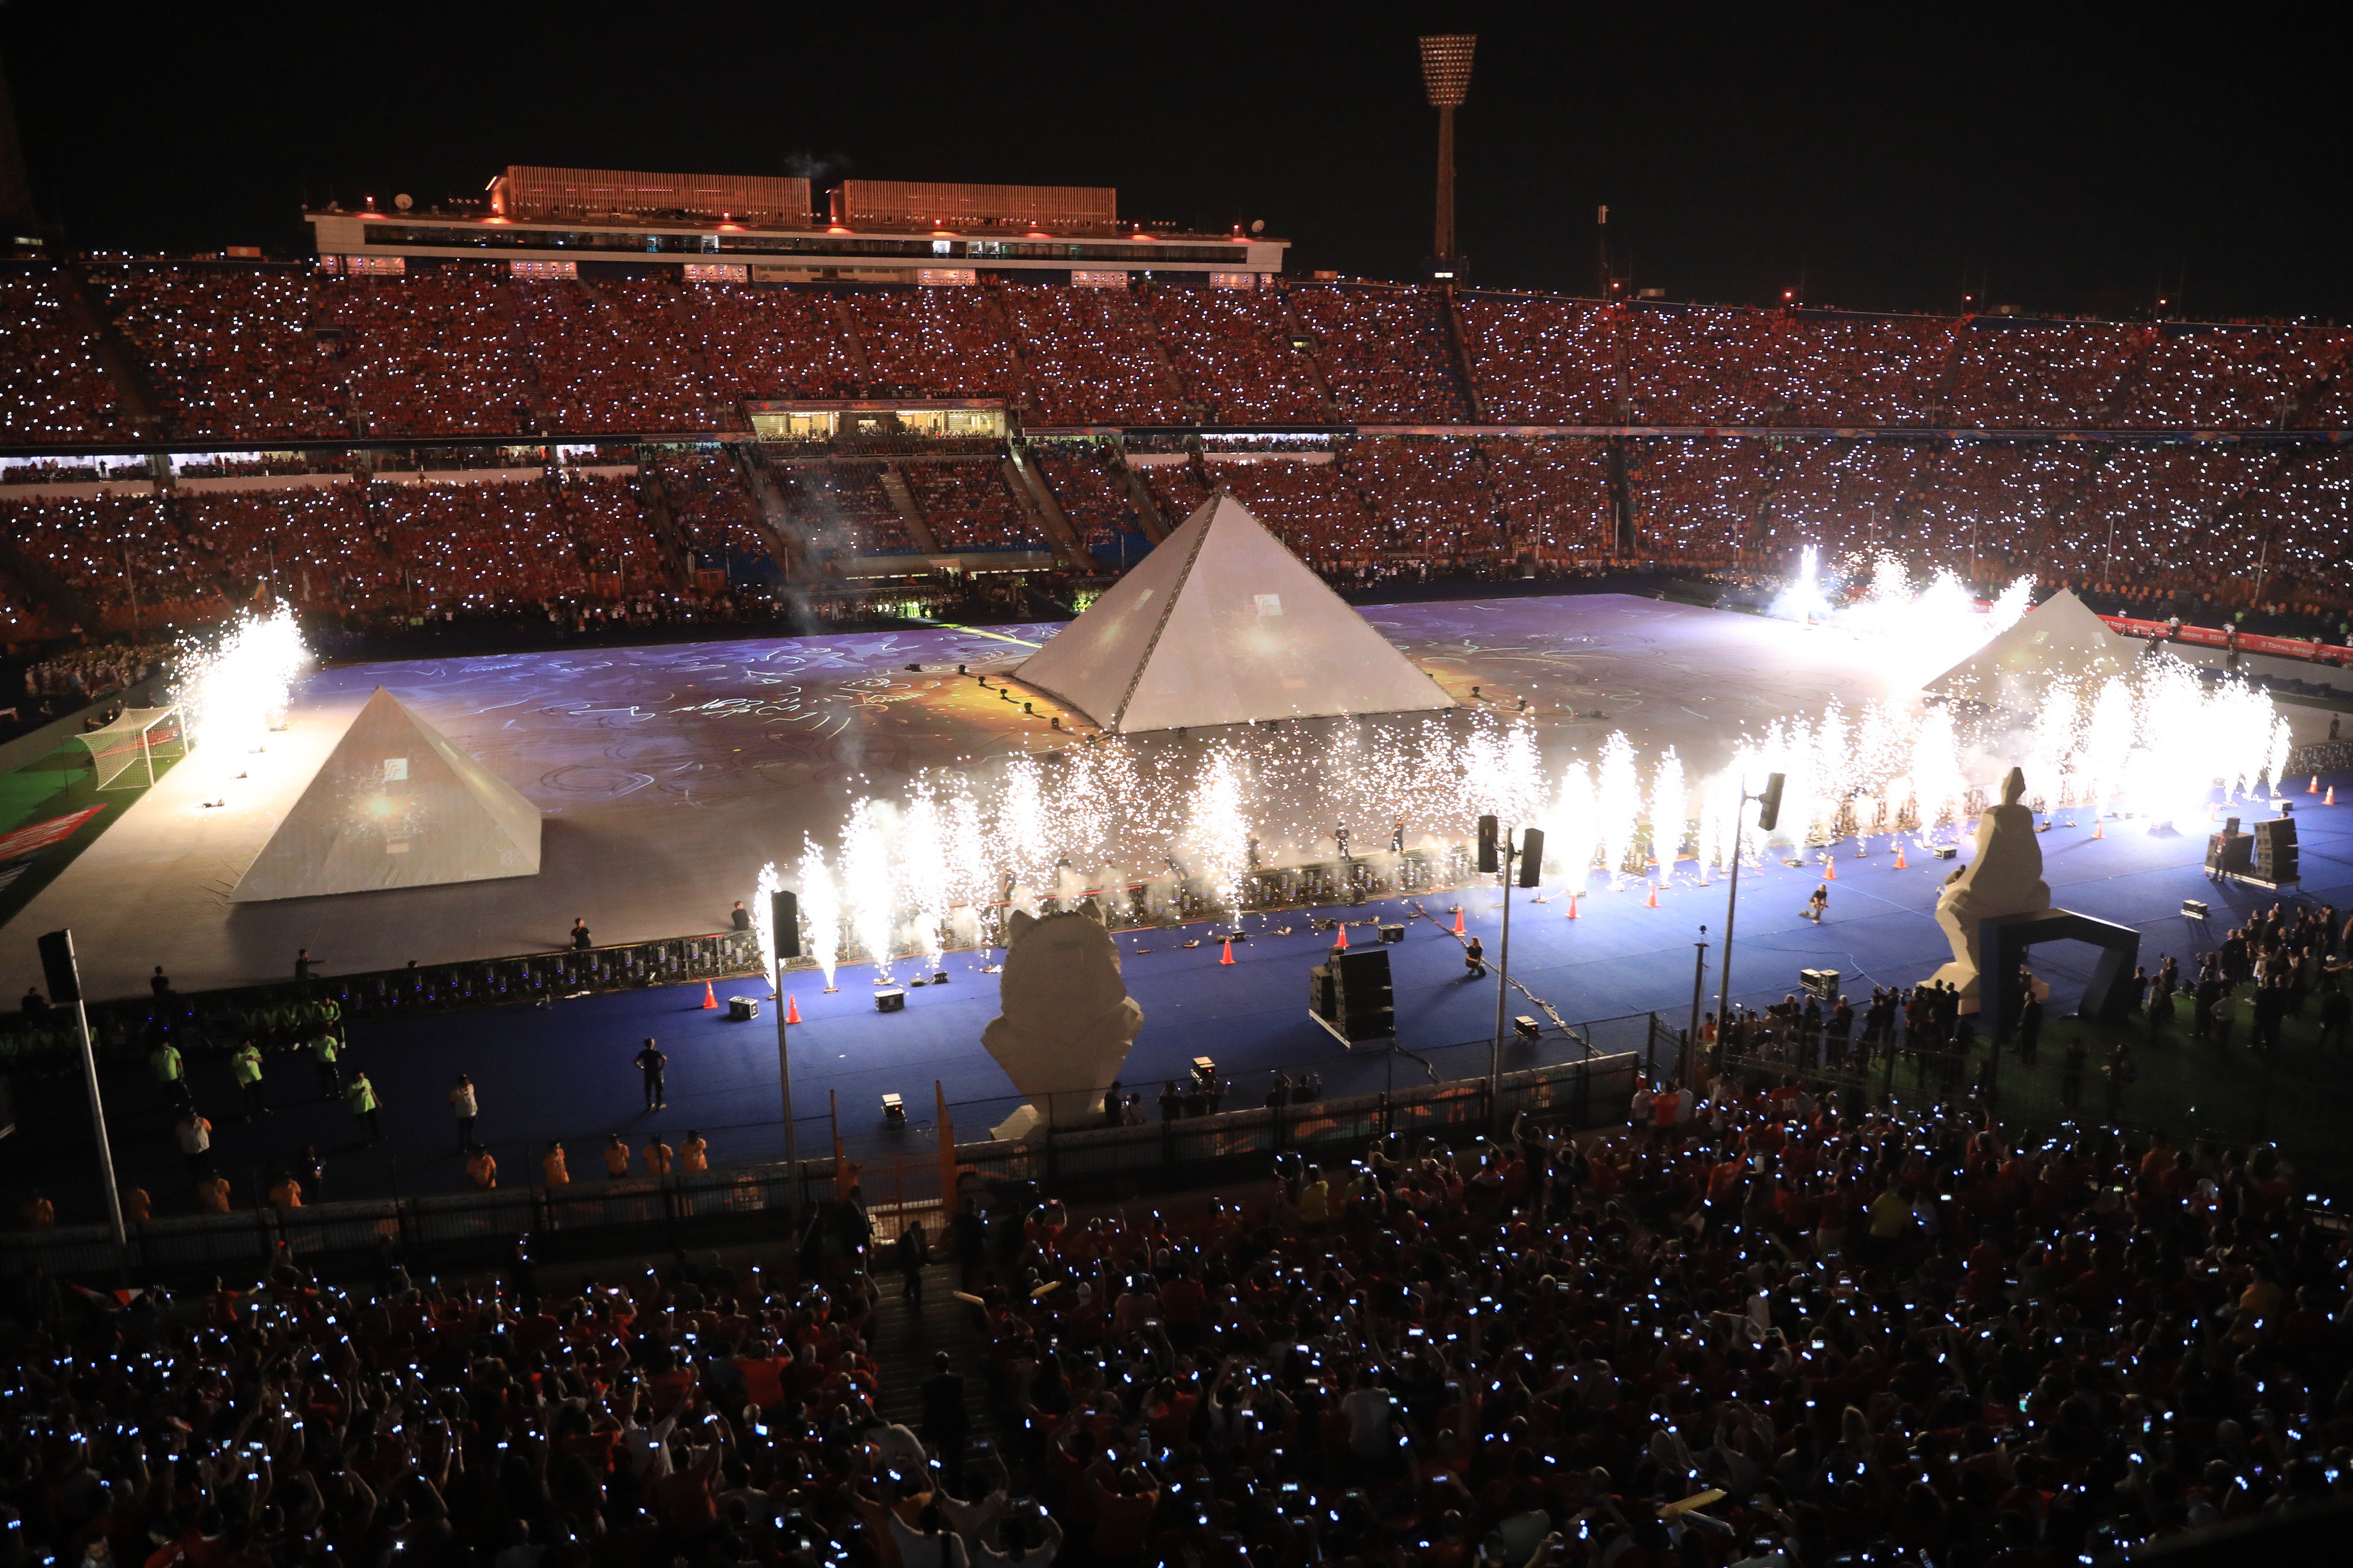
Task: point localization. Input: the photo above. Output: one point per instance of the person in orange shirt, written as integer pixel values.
(658, 1156)
(212, 1194)
(285, 1193)
(481, 1170)
(617, 1156)
(694, 1154)
(551, 1168)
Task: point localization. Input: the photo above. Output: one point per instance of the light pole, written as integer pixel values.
(1446, 77)
(784, 921)
(1699, 979)
(64, 978)
(1768, 817)
(1496, 854)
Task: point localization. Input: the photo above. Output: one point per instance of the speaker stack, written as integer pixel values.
(2275, 851)
(1350, 993)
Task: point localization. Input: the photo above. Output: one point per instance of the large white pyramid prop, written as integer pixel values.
(394, 805)
(2061, 636)
(1223, 625)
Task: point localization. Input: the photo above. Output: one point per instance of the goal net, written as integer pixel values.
(133, 750)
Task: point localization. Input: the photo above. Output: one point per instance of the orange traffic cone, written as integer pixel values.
(2314, 787)
(710, 999)
(2099, 828)
(2331, 798)
(1652, 902)
(1227, 956)
(1899, 857)
(1830, 867)
(1572, 906)
(1458, 920)
(1341, 933)
(792, 1009)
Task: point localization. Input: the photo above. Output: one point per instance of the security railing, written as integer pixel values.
(591, 1219)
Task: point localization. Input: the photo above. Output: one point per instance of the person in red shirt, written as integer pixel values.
(1123, 1511)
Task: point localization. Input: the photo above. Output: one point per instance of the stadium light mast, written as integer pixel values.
(1446, 78)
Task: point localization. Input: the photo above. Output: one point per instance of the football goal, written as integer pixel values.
(130, 752)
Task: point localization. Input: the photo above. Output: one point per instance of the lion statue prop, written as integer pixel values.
(1066, 1021)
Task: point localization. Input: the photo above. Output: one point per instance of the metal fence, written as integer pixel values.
(758, 1202)
(121, 1026)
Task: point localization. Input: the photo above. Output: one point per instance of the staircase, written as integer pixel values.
(2298, 409)
(1300, 334)
(909, 511)
(845, 321)
(1039, 504)
(774, 521)
(653, 502)
(534, 395)
(1139, 494)
(58, 599)
(1458, 341)
(113, 355)
(902, 1339)
(2226, 515)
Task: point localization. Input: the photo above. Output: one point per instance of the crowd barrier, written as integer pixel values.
(287, 1008)
(756, 1203)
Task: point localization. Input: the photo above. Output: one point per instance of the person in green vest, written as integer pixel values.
(362, 1096)
(171, 1073)
(325, 1051)
(246, 1066)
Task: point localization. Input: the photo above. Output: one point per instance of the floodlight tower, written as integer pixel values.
(1446, 77)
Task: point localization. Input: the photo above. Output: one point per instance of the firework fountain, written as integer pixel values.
(232, 689)
(1187, 823)
(1928, 627)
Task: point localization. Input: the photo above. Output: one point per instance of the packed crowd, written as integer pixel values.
(1386, 351)
(86, 674)
(2199, 519)
(122, 554)
(1093, 357)
(311, 546)
(1755, 1326)
(1234, 356)
(1547, 359)
(1094, 498)
(247, 352)
(1763, 1329)
(967, 506)
(714, 512)
(233, 350)
(53, 386)
(844, 510)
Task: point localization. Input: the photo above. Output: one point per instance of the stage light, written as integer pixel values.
(1446, 67)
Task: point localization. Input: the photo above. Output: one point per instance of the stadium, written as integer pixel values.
(822, 720)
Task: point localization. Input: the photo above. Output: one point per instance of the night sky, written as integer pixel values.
(2049, 158)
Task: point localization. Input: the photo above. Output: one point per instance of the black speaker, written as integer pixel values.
(1531, 857)
(784, 908)
(2230, 851)
(57, 968)
(2275, 852)
(1769, 805)
(1490, 858)
(1364, 1004)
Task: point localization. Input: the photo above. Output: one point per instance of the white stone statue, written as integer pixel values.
(2005, 879)
(1066, 1021)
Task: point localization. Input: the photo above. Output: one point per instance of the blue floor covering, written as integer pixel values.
(564, 1071)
